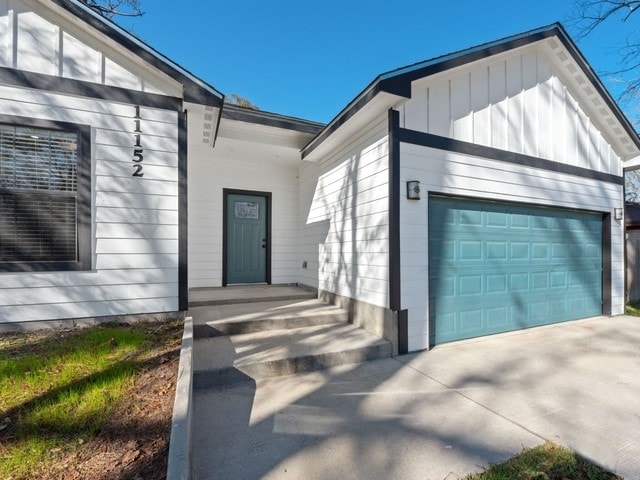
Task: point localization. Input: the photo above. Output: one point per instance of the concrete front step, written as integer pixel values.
(236, 319)
(225, 360)
(241, 294)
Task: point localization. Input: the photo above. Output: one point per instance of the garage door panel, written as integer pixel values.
(468, 321)
(467, 285)
(497, 267)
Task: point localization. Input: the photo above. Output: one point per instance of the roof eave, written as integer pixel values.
(398, 81)
(195, 90)
(368, 94)
(269, 119)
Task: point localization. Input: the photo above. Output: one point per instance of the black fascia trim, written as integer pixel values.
(510, 43)
(348, 112)
(225, 203)
(449, 144)
(40, 81)
(183, 214)
(83, 198)
(599, 86)
(606, 264)
(395, 277)
(232, 112)
(441, 64)
(49, 124)
(398, 81)
(204, 94)
(218, 121)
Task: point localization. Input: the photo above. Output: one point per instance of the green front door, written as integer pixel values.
(496, 267)
(246, 239)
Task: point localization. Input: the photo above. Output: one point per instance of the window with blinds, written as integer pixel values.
(38, 194)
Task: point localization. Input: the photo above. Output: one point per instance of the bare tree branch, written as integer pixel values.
(587, 15)
(111, 8)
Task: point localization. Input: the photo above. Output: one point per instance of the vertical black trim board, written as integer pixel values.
(403, 331)
(395, 277)
(183, 215)
(85, 238)
(225, 202)
(606, 264)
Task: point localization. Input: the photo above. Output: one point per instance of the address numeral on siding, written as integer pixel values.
(138, 157)
(138, 172)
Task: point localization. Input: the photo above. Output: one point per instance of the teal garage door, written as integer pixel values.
(496, 267)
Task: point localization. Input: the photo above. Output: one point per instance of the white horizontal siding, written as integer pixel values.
(517, 102)
(79, 309)
(134, 220)
(129, 230)
(79, 110)
(455, 174)
(49, 295)
(344, 205)
(209, 173)
(124, 200)
(36, 39)
(135, 276)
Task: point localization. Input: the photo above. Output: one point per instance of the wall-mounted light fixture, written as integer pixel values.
(413, 190)
(617, 213)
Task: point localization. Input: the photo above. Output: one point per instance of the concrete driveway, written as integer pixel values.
(434, 415)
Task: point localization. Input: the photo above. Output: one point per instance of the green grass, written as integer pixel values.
(633, 309)
(545, 462)
(57, 389)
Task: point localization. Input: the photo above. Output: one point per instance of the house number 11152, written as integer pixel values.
(137, 147)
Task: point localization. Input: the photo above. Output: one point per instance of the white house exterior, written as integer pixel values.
(519, 129)
(63, 70)
(517, 147)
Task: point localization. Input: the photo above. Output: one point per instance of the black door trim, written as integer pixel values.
(606, 264)
(225, 195)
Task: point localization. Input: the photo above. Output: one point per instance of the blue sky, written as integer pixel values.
(309, 59)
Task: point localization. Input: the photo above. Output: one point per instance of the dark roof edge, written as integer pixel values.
(595, 80)
(269, 119)
(345, 114)
(196, 90)
(467, 55)
(398, 81)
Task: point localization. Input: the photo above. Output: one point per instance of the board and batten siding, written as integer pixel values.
(134, 220)
(515, 101)
(344, 219)
(456, 174)
(35, 39)
(209, 173)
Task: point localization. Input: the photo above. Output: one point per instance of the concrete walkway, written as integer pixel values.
(433, 415)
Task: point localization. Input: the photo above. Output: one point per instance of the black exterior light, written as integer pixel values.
(413, 190)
